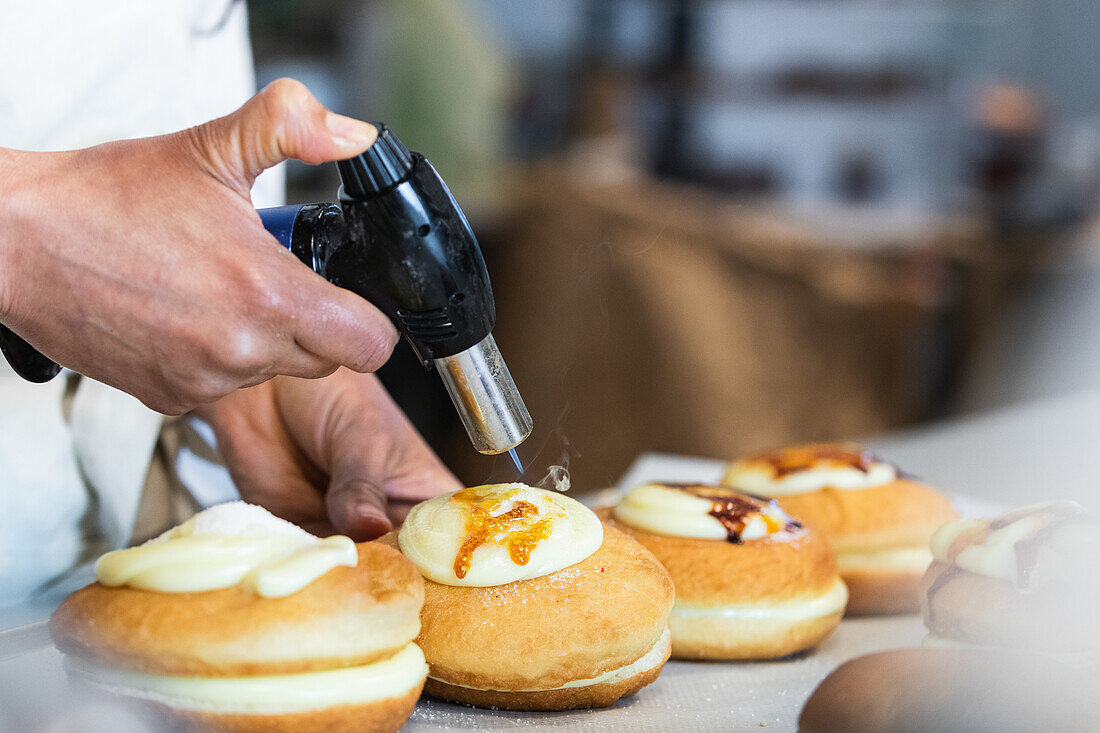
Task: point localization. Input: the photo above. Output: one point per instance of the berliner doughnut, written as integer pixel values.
(877, 521)
(919, 690)
(530, 604)
(751, 582)
(1027, 580)
(239, 621)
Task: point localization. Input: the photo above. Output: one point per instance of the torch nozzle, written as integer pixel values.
(486, 398)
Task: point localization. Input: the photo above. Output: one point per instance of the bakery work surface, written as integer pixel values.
(981, 462)
(688, 696)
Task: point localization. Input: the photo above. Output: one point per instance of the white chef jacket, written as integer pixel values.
(74, 73)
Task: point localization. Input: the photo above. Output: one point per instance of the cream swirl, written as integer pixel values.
(1033, 545)
(497, 534)
(226, 545)
(702, 512)
(806, 468)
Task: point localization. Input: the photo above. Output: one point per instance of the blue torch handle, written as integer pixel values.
(279, 221)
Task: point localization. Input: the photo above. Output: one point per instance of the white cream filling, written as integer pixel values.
(995, 556)
(654, 657)
(669, 511)
(831, 601)
(226, 545)
(435, 530)
(264, 694)
(994, 552)
(755, 479)
(916, 559)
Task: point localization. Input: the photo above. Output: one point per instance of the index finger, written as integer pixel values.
(341, 327)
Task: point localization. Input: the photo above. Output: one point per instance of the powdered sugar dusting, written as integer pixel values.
(238, 518)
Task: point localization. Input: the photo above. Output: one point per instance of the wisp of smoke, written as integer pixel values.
(557, 477)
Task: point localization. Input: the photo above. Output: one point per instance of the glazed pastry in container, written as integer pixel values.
(1029, 579)
(530, 603)
(239, 621)
(877, 520)
(751, 581)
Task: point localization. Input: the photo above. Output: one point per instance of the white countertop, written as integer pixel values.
(1017, 455)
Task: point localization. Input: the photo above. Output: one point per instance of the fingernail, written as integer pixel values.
(350, 133)
(370, 521)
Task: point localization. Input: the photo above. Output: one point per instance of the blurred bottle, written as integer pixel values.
(1008, 126)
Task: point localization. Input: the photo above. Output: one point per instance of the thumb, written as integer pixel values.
(282, 121)
(357, 508)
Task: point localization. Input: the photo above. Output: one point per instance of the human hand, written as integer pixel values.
(327, 454)
(142, 263)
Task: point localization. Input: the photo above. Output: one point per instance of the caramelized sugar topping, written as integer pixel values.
(519, 528)
(734, 509)
(786, 461)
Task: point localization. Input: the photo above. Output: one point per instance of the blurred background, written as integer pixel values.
(720, 225)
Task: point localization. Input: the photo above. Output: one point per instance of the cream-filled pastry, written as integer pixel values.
(877, 520)
(1027, 580)
(239, 621)
(524, 601)
(1010, 605)
(751, 581)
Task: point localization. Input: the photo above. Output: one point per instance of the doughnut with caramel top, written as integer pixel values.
(877, 521)
(751, 581)
(239, 621)
(1029, 579)
(530, 604)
